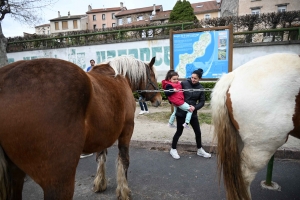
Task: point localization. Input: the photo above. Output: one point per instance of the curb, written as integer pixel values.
(191, 147)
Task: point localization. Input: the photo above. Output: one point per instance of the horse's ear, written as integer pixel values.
(152, 62)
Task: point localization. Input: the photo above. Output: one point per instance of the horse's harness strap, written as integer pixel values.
(149, 82)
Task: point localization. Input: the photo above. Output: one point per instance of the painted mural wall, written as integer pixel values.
(145, 50)
(81, 56)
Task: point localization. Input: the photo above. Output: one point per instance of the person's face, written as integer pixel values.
(195, 79)
(174, 79)
(92, 63)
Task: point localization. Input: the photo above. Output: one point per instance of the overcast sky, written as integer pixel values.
(13, 28)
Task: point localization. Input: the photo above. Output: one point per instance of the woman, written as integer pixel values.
(196, 101)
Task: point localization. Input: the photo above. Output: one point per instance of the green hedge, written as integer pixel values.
(209, 85)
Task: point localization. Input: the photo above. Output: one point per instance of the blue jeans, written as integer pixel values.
(143, 104)
(184, 107)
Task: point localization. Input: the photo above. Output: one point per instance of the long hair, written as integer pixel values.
(170, 74)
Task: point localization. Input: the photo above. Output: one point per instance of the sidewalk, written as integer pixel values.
(157, 135)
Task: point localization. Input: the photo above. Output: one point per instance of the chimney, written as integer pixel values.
(69, 14)
(89, 8)
(59, 14)
(121, 5)
(154, 10)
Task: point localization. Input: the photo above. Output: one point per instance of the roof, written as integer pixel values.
(68, 18)
(102, 10)
(205, 7)
(43, 25)
(162, 15)
(139, 10)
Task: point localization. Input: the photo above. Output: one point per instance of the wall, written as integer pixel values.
(229, 8)
(108, 21)
(266, 6)
(145, 50)
(212, 15)
(245, 53)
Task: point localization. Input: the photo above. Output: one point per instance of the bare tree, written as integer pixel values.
(25, 11)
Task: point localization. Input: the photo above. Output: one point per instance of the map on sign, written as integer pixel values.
(206, 50)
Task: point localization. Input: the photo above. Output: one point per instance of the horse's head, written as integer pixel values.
(150, 83)
(141, 76)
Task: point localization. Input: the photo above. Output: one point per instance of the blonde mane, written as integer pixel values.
(130, 67)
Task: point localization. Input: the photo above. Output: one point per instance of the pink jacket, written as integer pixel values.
(176, 98)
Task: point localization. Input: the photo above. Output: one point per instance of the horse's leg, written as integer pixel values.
(100, 182)
(123, 191)
(253, 160)
(17, 176)
(60, 185)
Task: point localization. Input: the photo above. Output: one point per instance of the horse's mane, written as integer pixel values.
(132, 68)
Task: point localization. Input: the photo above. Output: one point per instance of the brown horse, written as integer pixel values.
(52, 111)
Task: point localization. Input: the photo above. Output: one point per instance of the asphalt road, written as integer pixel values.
(156, 175)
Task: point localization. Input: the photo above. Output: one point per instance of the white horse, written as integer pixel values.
(254, 110)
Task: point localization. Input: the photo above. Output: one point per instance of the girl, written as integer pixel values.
(176, 97)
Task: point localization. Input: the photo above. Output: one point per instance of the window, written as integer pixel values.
(94, 17)
(113, 16)
(281, 8)
(56, 26)
(255, 11)
(103, 16)
(64, 25)
(120, 21)
(113, 25)
(75, 24)
(103, 26)
(128, 20)
(48, 32)
(207, 16)
(94, 26)
(140, 18)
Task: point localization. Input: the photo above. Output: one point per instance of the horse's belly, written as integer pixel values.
(262, 105)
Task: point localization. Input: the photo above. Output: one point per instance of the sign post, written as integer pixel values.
(209, 49)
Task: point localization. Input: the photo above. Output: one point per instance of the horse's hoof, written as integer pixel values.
(99, 189)
(125, 198)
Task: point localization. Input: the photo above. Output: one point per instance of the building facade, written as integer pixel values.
(138, 15)
(103, 17)
(43, 29)
(68, 23)
(206, 10)
(244, 7)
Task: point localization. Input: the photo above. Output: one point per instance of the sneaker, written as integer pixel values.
(171, 125)
(85, 155)
(174, 154)
(146, 111)
(201, 152)
(142, 112)
(185, 125)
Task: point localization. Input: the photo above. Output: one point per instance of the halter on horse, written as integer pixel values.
(52, 111)
(254, 110)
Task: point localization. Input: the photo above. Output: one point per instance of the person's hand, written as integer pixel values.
(192, 108)
(175, 90)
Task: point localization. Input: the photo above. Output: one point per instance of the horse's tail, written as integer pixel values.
(229, 159)
(5, 181)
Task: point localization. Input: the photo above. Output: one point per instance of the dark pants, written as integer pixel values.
(196, 126)
(143, 106)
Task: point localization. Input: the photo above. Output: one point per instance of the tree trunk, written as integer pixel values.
(3, 44)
